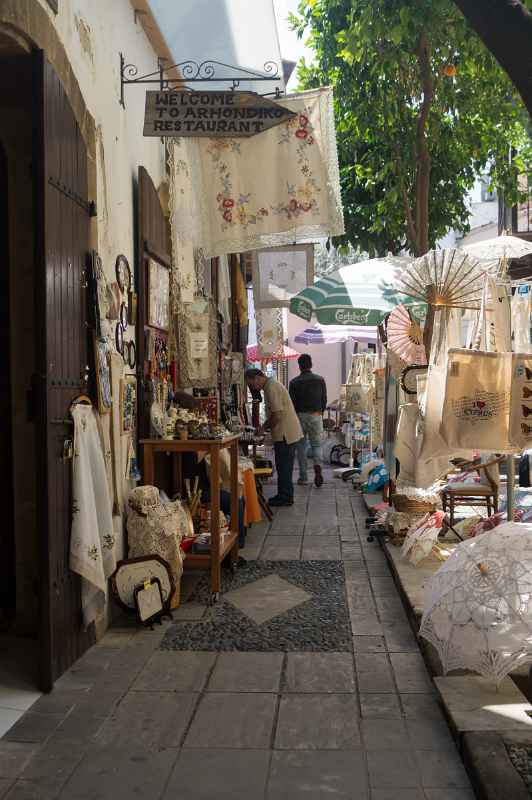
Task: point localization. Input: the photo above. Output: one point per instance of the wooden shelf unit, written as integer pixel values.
(212, 447)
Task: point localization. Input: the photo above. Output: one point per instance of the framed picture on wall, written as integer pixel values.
(158, 296)
(128, 404)
(103, 376)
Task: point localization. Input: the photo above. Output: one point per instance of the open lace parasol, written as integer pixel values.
(445, 279)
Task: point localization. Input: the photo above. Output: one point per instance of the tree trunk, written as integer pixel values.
(423, 153)
(505, 27)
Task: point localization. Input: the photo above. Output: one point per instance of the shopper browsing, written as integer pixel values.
(309, 396)
(282, 421)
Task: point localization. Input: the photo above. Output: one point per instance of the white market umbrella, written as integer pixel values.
(498, 248)
(335, 334)
(422, 537)
(478, 612)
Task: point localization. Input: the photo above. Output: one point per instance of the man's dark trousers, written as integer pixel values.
(284, 464)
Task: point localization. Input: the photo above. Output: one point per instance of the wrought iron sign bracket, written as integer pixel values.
(208, 71)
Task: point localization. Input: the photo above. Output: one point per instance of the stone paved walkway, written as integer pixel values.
(132, 720)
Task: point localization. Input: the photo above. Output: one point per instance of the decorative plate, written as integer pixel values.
(158, 419)
(132, 572)
(408, 377)
(123, 316)
(123, 273)
(132, 360)
(126, 346)
(119, 338)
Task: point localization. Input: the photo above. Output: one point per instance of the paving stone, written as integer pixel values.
(421, 706)
(5, 784)
(247, 672)
(313, 776)
(319, 672)
(33, 727)
(111, 771)
(266, 598)
(318, 722)
(390, 609)
(364, 625)
(220, 774)
(29, 790)
(374, 673)
(449, 794)
(377, 569)
(116, 638)
(441, 769)
(397, 794)
(235, 721)
(476, 704)
(149, 721)
(385, 734)
(53, 764)
(399, 637)
(80, 726)
(380, 706)
(189, 611)
(175, 672)
(321, 552)
(14, 756)
(393, 769)
(312, 529)
(383, 586)
(410, 672)
(369, 644)
(430, 734)
(288, 552)
(58, 701)
(348, 534)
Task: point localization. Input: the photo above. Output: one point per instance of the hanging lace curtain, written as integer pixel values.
(270, 334)
(281, 272)
(281, 186)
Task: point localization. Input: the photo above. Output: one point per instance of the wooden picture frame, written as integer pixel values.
(132, 572)
(103, 376)
(158, 295)
(128, 404)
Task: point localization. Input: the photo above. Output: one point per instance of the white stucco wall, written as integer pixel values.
(242, 33)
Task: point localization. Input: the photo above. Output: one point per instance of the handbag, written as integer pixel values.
(476, 397)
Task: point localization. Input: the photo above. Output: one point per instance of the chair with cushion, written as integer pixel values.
(483, 492)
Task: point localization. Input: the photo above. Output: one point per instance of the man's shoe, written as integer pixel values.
(302, 482)
(318, 477)
(276, 501)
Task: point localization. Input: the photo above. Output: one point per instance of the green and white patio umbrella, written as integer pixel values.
(358, 294)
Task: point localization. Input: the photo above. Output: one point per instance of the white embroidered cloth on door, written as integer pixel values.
(92, 538)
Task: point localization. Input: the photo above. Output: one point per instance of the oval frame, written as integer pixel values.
(119, 338)
(124, 281)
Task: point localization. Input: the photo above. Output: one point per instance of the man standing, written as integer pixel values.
(309, 396)
(282, 421)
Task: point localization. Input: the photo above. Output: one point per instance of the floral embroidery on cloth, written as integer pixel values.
(92, 541)
(268, 190)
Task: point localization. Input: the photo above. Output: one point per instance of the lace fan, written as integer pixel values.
(404, 337)
(444, 278)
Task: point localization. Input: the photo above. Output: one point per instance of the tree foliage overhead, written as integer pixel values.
(421, 108)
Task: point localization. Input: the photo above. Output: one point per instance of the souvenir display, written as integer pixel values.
(123, 273)
(103, 377)
(158, 295)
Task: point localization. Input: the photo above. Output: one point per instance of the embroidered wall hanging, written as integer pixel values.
(234, 195)
(281, 272)
(270, 334)
(197, 344)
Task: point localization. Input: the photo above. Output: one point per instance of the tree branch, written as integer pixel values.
(410, 225)
(505, 27)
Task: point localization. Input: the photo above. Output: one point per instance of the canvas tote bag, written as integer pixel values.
(476, 404)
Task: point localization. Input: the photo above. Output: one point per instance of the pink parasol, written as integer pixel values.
(287, 355)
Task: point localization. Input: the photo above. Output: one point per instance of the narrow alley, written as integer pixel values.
(304, 681)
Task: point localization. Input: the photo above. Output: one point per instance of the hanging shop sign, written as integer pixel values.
(213, 114)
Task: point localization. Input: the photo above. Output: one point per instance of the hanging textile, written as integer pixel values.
(197, 344)
(264, 191)
(279, 273)
(521, 315)
(224, 289)
(241, 296)
(202, 269)
(270, 336)
(116, 363)
(92, 539)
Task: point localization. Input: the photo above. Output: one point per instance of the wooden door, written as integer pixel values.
(62, 224)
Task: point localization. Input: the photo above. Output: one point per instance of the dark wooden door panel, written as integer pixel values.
(62, 245)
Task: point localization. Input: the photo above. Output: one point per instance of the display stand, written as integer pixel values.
(212, 447)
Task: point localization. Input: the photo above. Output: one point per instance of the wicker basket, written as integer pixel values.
(412, 505)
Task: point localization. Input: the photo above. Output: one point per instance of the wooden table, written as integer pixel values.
(212, 447)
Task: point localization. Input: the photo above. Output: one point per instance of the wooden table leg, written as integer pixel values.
(234, 499)
(216, 568)
(147, 465)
